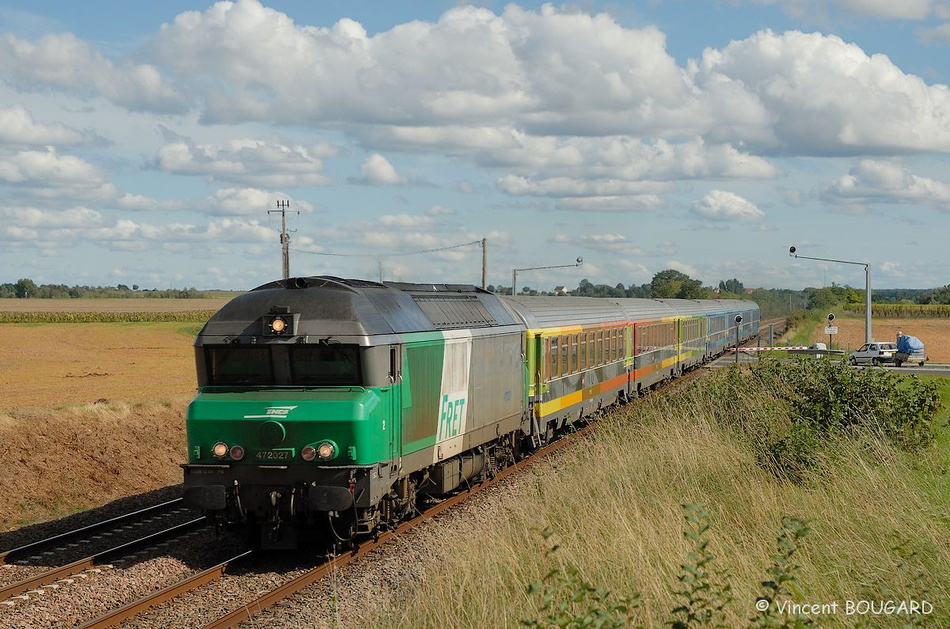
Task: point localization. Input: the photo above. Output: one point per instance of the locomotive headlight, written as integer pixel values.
(236, 452)
(278, 325)
(326, 450)
(219, 450)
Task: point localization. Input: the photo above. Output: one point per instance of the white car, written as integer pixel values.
(874, 353)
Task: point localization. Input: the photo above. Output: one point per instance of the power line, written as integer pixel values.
(388, 255)
(483, 243)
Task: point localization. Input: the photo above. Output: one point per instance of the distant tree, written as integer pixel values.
(585, 288)
(675, 284)
(25, 288)
(643, 290)
(733, 286)
(942, 295)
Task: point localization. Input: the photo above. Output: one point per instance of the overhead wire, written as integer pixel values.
(388, 255)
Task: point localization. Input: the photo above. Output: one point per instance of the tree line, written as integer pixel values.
(27, 288)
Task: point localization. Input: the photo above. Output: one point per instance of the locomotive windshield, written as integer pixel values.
(326, 364)
(240, 365)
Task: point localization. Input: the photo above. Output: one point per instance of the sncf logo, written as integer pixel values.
(273, 412)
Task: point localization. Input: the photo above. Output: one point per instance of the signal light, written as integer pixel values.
(219, 450)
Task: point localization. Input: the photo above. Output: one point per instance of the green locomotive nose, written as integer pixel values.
(330, 426)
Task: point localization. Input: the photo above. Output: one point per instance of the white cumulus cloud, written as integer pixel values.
(721, 205)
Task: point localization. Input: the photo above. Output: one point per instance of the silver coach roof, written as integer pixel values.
(542, 312)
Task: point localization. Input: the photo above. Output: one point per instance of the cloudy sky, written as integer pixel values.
(150, 143)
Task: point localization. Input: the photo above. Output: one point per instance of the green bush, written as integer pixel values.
(802, 407)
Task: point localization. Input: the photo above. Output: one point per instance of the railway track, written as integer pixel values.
(101, 559)
(189, 584)
(22, 554)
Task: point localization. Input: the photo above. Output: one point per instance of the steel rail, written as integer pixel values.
(116, 616)
(56, 574)
(34, 547)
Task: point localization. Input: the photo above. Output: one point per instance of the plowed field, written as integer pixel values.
(935, 334)
(56, 364)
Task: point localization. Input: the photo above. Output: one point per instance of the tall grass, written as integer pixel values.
(615, 506)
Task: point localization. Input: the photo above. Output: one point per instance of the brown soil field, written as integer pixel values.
(935, 334)
(56, 364)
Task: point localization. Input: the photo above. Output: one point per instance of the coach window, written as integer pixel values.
(581, 350)
(590, 349)
(545, 358)
(572, 366)
(563, 362)
(550, 362)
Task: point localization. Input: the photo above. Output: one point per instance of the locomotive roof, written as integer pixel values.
(329, 306)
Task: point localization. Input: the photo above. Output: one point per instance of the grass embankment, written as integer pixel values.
(877, 516)
(60, 461)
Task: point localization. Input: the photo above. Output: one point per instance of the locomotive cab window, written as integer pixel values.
(283, 365)
(325, 365)
(239, 365)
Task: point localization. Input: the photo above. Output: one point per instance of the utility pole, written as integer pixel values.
(282, 205)
(484, 264)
